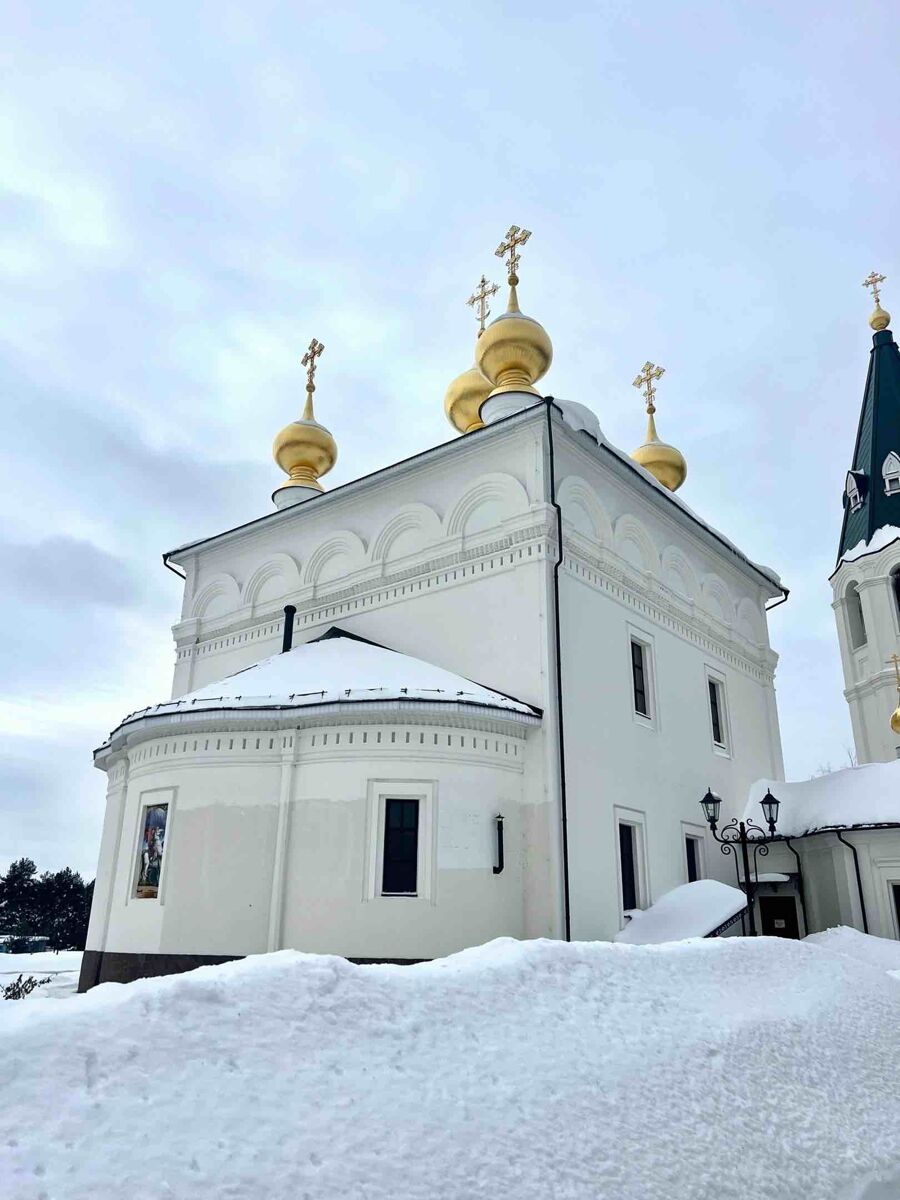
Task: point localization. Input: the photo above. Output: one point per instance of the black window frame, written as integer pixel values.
(628, 866)
(399, 866)
(692, 857)
(717, 712)
(640, 682)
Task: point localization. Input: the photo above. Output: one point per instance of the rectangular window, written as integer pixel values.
(401, 847)
(717, 711)
(150, 852)
(692, 852)
(895, 888)
(639, 678)
(628, 861)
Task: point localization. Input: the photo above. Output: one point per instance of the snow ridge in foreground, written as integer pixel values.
(532, 1070)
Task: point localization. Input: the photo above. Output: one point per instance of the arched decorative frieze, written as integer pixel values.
(717, 599)
(414, 527)
(276, 577)
(218, 597)
(485, 504)
(582, 510)
(634, 544)
(340, 555)
(749, 622)
(678, 575)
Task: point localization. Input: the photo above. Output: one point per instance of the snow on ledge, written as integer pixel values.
(689, 911)
(881, 538)
(868, 795)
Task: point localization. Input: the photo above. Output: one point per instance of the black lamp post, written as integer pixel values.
(744, 834)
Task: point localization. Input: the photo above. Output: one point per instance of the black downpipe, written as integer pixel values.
(287, 637)
(560, 727)
(859, 886)
(787, 842)
(499, 866)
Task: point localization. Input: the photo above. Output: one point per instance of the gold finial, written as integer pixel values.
(663, 461)
(304, 449)
(514, 237)
(880, 318)
(309, 361)
(895, 715)
(480, 297)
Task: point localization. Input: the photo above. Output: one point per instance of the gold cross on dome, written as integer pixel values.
(649, 372)
(515, 237)
(896, 661)
(872, 281)
(309, 361)
(480, 298)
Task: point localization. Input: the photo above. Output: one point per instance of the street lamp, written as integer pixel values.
(744, 834)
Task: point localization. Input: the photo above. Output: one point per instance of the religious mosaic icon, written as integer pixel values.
(153, 842)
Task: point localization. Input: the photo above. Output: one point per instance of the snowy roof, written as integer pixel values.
(338, 668)
(691, 910)
(878, 541)
(859, 796)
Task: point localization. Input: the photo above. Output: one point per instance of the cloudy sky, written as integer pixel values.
(190, 191)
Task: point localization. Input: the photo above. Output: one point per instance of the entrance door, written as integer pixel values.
(778, 915)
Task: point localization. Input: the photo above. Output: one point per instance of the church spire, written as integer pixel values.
(304, 449)
(872, 485)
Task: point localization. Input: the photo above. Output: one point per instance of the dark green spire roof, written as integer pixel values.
(874, 504)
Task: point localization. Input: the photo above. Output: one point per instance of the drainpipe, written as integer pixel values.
(859, 886)
(787, 842)
(499, 866)
(287, 637)
(560, 727)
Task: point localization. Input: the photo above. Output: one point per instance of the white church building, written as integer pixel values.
(477, 693)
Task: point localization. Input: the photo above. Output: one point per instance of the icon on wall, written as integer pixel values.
(153, 843)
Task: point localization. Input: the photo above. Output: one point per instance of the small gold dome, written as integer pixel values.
(895, 721)
(663, 461)
(880, 319)
(305, 450)
(464, 398)
(514, 351)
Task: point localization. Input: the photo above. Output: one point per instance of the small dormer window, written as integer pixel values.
(854, 490)
(891, 474)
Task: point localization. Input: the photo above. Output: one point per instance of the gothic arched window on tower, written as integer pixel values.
(854, 489)
(891, 474)
(856, 623)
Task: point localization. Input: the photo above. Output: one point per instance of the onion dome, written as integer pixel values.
(304, 449)
(664, 462)
(880, 318)
(464, 398)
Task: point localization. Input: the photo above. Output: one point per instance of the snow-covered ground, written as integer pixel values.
(703, 1070)
(62, 967)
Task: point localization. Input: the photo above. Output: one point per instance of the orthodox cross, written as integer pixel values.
(896, 661)
(309, 361)
(480, 298)
(872, 281)
(649, 372)
(515, 237)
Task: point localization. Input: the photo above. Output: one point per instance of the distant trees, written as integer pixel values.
(55, 905)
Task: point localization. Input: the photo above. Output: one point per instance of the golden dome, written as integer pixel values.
(305, 449)
(515, 351)
(464, 398)
(663, 461)
(880, 319)
(895, 721)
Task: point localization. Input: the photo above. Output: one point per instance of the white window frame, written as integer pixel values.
(890, 473)
(646, 642)
(854, 496)
(378, 792)
(159, 796)
(638, 821)
(697, 833)
(711, 675)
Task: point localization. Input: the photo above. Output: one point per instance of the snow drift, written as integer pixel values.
(704, 1070)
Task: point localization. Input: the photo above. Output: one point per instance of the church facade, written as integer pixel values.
(477, 693)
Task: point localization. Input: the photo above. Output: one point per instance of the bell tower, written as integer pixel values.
(866, 580)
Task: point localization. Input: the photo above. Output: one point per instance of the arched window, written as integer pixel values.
(890, 473)
(853, 490)
(855, 621)
(895, 588)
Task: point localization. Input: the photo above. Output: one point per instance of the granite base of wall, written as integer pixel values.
(101, 966)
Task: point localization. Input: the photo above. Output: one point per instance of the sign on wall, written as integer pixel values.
(153, 844)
